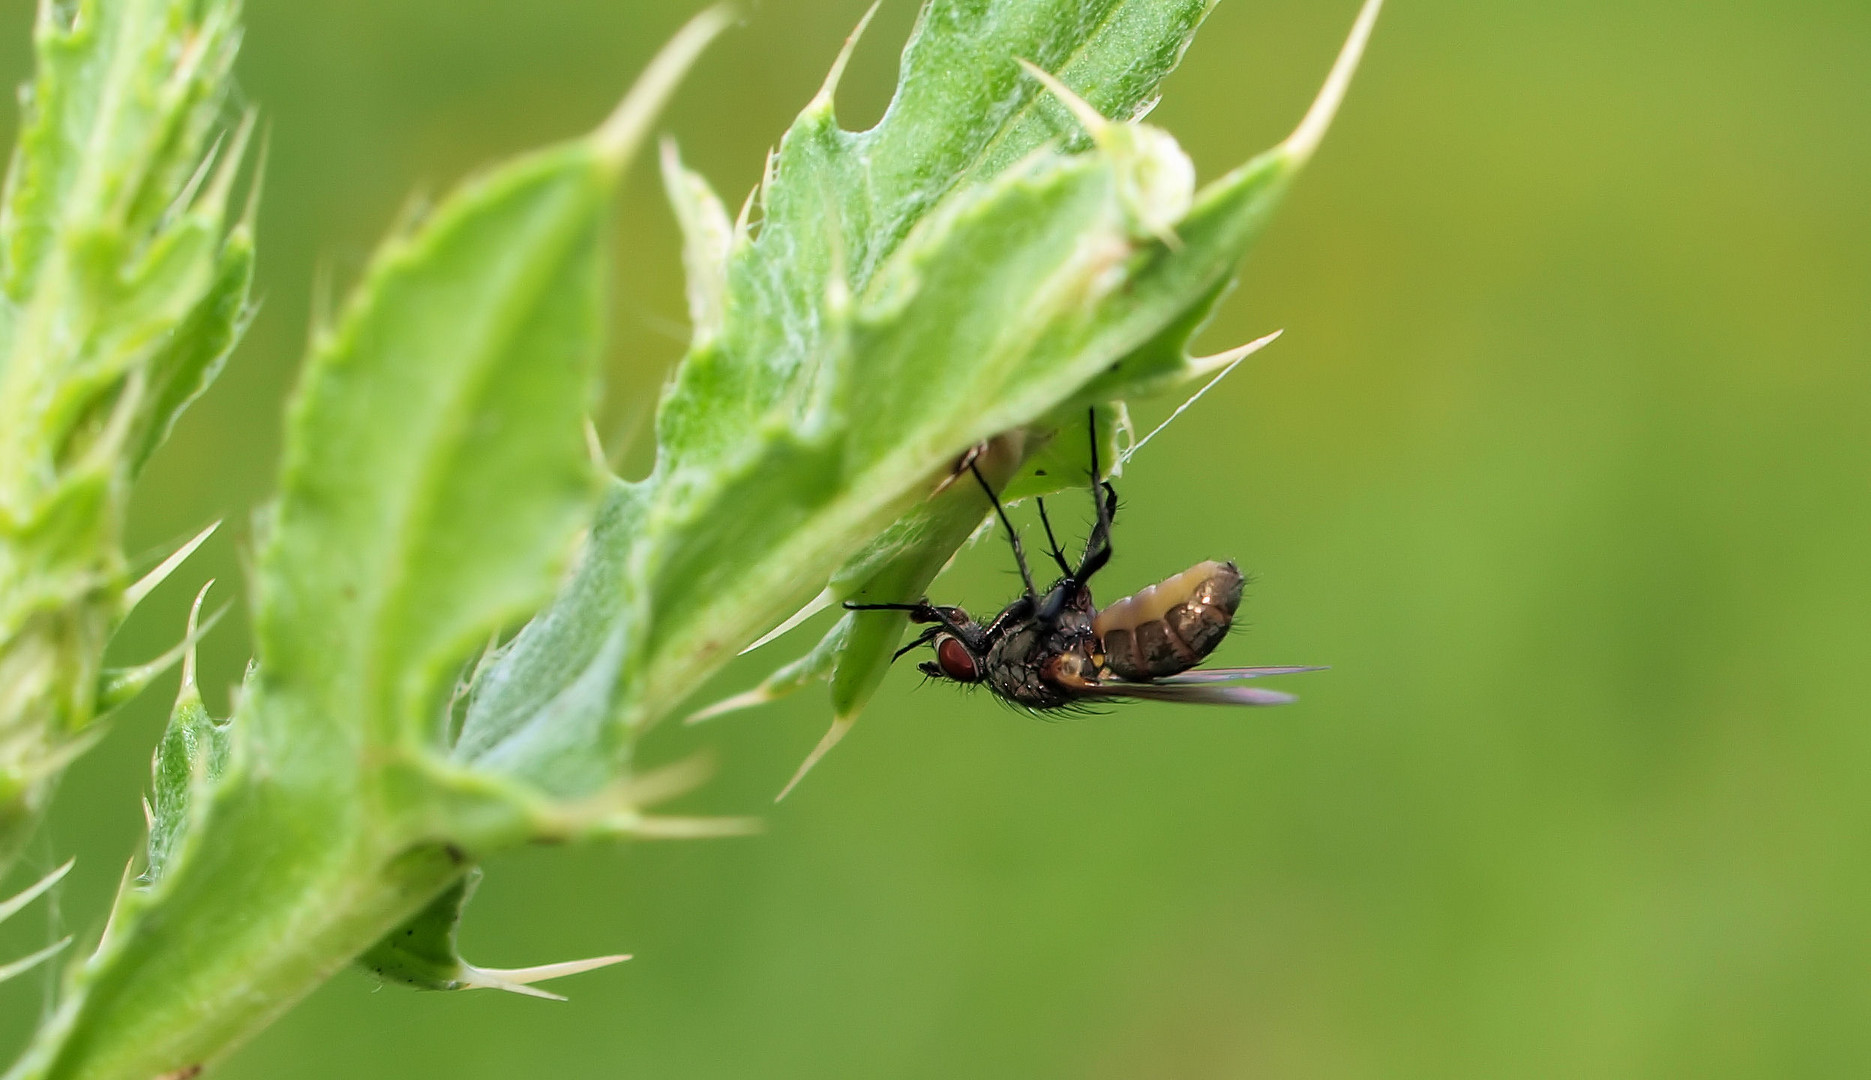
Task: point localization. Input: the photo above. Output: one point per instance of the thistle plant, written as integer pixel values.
(1010, 248)
(123, 285)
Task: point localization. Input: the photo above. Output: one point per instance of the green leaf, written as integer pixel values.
(436, 469)
(200, 345)
(542, 708)
(190, 759)
(435, 475)
(708, 240)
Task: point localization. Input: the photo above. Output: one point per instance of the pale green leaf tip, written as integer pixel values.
(190, 692)
(617, 140)
(1305, 139)
(669, 156)
(250, 213)
(829, 88)
(121, 685)
(222, 186)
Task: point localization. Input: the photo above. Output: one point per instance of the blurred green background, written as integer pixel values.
(1564, 465)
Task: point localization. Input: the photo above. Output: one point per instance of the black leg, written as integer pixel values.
(1015, 613)
(1052, 541)
(1104, 500)
(1013, 538)
(953, 620)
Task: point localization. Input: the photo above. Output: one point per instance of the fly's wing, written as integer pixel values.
(1227, 675)
(1186, 693)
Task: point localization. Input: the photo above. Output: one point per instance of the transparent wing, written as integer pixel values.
(1187, 693)
(1227, 674)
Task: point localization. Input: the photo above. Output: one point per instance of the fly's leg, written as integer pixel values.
(1098, 546)
(1016, 613)
(1052, 542)
(1013, 538)
(952, 619)
(1104, 499)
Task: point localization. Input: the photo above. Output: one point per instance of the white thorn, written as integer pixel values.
(654, 827)
(229, 171)
(27, 963)
(1202, 365)
(11, 906)
(670, 781)
(129, 682)
(517, 980)
(136, 593)
(186, 196)
(840, 726)
(191, 637)
(1311, 130)
(594, 446)
(769, 173)
(1093, 121)
(813, 606)
(746, 699)
(251, 211)
(1226, 361)
(743, 221)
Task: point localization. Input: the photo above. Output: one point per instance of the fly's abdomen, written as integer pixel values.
(1172, 625)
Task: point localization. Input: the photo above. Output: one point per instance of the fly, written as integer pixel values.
(1057, 649)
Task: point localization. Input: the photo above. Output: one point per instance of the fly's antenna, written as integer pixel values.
(1052, 542)
(925, 638)
(1019, 553)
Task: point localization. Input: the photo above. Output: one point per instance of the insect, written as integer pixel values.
(1057, 649)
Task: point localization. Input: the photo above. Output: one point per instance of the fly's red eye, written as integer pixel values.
(956, 661)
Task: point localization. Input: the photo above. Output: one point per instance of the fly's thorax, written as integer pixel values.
(1171, 626)
(1037, 664)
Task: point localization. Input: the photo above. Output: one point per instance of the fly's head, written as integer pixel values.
(954, 661)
